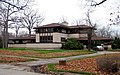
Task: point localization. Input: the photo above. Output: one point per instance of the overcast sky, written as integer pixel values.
(54, 10)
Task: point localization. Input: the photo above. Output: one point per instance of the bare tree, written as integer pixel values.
(16, 25)
(23, 34)
(18, 6)
(63, 19)
(116, 34)
(7, 9)
(31, 19)
(105, 32)
(78, 21)
(91, 32)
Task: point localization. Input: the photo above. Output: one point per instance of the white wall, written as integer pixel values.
(83, 35)
(44, 45)
(17, 45)
(57, 36)
(36, 45)
(73, 35)
(37, 37)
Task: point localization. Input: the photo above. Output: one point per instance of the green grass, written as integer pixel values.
(51, 67)
(43, 51)
(58, 50)
(47, 52)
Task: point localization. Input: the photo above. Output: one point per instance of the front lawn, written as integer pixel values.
(4, 59)
(42, 53)
(85, 66)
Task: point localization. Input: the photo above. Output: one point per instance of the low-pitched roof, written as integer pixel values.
(51, 25)
(80, 26)
(64, 26)
(21, 38)
(94, 38)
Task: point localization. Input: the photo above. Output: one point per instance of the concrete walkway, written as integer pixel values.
(56, 60)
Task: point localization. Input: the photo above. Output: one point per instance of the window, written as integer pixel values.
(63, 39)
(50, 29)
(37, 30)
(63, 31)
(74, 31)
(46, 30)
(46, 39)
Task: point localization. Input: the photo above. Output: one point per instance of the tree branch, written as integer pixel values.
(96, 4)
(20, 8)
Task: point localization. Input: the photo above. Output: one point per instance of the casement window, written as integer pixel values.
(46, 30)
(74, 31)
(46, 39)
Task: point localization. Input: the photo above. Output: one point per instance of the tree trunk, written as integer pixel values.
(29, 32)
(89, 39)
(3, 37)
(6, 35)
(16, 33)
(6, 29)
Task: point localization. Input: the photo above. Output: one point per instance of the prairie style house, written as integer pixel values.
(58, 33)
(53, 35)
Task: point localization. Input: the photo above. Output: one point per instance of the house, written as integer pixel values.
(52, 36)
(19, 42)
(58, 33)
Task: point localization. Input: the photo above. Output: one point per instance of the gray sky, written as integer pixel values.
(54, 10)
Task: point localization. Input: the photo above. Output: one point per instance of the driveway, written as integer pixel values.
(7, 69)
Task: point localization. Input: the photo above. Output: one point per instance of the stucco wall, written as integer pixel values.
(73, 35)
(36, 45)
(17, 45)
(37, 37)
(44, 45)
(57, 36)
(83, 35)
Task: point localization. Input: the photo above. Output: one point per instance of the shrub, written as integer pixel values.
(1, 44)
(108, 64)
(116, 43)
(72, 43)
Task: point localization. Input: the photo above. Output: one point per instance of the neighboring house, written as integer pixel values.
(52, 35)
